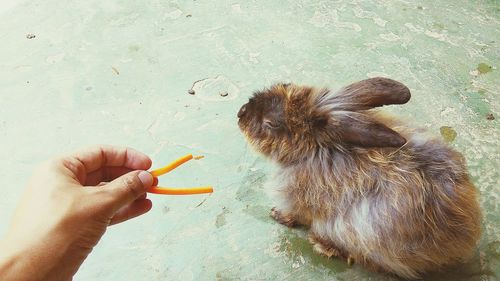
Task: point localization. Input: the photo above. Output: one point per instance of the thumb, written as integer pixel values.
(129, 187)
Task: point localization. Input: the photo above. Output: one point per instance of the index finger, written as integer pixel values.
(97, 157)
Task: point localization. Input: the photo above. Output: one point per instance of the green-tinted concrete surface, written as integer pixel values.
(119, 72)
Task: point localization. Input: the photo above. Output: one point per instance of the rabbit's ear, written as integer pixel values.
(370, 93)
(359, 130)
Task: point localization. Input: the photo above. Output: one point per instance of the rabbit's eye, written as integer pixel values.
(270, 124)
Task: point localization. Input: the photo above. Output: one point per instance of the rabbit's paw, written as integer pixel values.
(284, 219)
(350, 260)
(323, 247)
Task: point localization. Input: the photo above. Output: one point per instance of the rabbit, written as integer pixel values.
(370, 189)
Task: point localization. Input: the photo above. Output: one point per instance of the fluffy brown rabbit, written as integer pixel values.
(370, 189)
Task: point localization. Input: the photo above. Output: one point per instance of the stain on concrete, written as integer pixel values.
(448, 133)
(483, 68)
(220, 221)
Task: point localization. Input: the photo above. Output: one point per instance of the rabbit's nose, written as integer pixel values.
(242, 111)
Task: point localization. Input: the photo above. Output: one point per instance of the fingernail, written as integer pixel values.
(146, 179)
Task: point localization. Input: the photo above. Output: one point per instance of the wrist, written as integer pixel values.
(11, 267)
(48, 257)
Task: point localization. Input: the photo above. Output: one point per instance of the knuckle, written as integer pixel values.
(49, 166)
(56, 162)
(65, 161)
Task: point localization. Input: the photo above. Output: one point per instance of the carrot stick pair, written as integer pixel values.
(177, 191)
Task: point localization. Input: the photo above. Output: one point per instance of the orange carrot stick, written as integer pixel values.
(181, 191)
(171, 166)
(176, 191)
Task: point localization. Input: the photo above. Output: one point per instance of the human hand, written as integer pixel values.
(68, 204)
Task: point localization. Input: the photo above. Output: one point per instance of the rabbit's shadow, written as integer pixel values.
(295, 246)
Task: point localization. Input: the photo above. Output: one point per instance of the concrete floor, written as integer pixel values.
(118, 72)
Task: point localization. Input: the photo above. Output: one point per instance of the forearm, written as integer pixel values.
(14, 265)
(9, 269)
(43, 261)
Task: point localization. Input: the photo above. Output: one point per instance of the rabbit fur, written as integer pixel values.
(371, 189)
